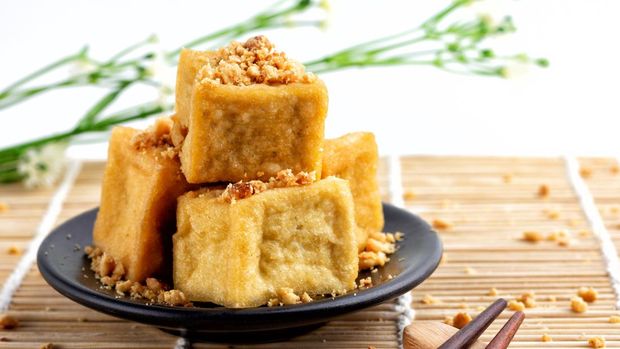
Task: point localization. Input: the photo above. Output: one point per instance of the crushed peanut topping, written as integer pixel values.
(578, 305)
(493, 292)
(516, 305)
(253, 62)
(4, 207)
(111, 275)
(283, 179)
(546, 338)
(155, 136)
(439, 223)
(286, 296)
(369, 260)
(378, 247)
(532, 236)
(588, 294)
(597, 342)
(8, 322)
(461, 319)
(543, 191)
(428, 299)
(614, 319)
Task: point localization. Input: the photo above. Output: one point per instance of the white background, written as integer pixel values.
(571, 107)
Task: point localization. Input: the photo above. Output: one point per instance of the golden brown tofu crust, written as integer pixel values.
(355, 157)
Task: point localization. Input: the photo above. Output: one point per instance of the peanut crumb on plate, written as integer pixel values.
(365, 282)
(546, 338)
(596, 342)
(588, 294)
(578, 305)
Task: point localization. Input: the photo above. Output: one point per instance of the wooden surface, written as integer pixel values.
(484, 249)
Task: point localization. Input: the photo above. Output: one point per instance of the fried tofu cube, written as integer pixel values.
(141, 183)
(246, 112)
(354, 157)
(239, 253)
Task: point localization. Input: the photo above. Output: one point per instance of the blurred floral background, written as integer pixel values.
(555, 93)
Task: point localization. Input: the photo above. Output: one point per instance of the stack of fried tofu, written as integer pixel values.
(245, 116)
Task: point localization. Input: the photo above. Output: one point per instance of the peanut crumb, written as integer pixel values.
(283, 179)
(14, 251)
(532, 236)
(574, 222)
(614, 319)
(461, 320)
(305, 298)
(493, 292)
(528, 299)
(596, 342)
(614, 169)
(543, 191)
(369, 260)
(552, 213)
(253, 62)
(444, 259)
(546, 338)
(155, 136)
(365, 282)
(588, 294)
(439, 223)
(287, 296)
(578, 305)
(429, 299)
(4, 207)
(516, 305)
(8, 322)
(448, 320)
(584, 233)
(470, 271)
(409, 195)
(47, 346)
(552, 299)
(585, 172)
(507, 177)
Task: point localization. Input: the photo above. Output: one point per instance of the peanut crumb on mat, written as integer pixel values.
(588, 294)
(596, 342)
(614, 319)
(507, 177)
(448, 320)
(574, 222)
(14, 251)
(584, 233)
(461, 320)
(516, 305)
(464, 306)
(429, 299)
(552, 213)
(615, 169)
(578, 305)
(8, 322)
(528, 299)
(552, 299)
(546, 338)
(4, 207)
(493, 292)
(443, 259)
(439, 223)
(532, 236)
(543, 191)
(470, 271)
(47, 346)
(409, 195)
(585, 172)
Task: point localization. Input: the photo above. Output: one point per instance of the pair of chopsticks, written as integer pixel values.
(466, 336)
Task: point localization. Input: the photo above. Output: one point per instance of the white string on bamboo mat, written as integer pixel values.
(403, 304)
(596, 223)
(47, 223)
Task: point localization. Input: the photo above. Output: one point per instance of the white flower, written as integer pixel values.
(83, 66)
(163, 72)
(41, 167)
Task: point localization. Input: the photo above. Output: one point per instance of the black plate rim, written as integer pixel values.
(228, 319)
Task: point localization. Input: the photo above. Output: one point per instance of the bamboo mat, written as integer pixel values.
(488, 201)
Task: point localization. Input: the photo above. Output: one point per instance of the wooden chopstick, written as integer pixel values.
(468, 334)
(503, 338)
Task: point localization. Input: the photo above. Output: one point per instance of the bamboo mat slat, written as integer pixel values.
(489, 200)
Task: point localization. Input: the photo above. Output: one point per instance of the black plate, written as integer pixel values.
(64, 266)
